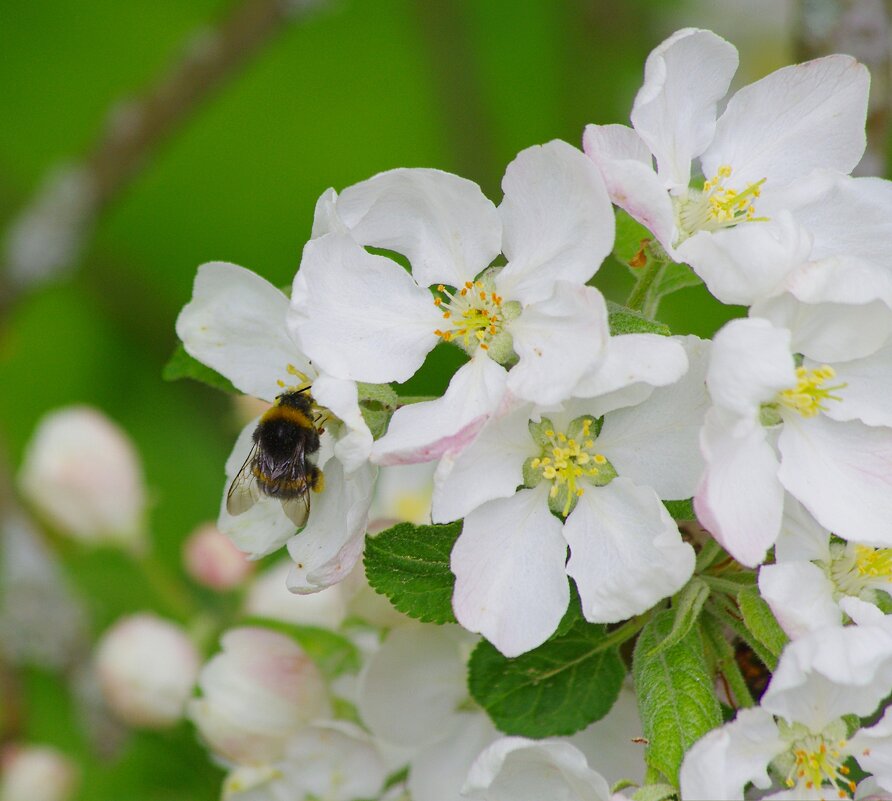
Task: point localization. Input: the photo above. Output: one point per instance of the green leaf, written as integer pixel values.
(556, 689)
(377, 403)
(675, 694)
(332, 653)
(686, 612)
(627, 321)
(760, 620)
(631, 237)
(681, 510)
(410, 565)
(182, 365)
(672, 278)
(655, 792)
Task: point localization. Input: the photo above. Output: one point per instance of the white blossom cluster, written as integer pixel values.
(558, 442)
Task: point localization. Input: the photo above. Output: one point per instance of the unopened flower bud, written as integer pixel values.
(147, 668)
(213, 561)
(256, 694)
(82, 473)
(36, 773)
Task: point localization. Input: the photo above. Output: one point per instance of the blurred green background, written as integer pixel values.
(358, 87)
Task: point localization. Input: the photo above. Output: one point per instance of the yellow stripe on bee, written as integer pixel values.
(288, 413)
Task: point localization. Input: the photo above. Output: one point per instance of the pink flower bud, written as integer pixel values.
(82, 473)
(147, 668)
(36, 773)
(256, 694)
(213, 561)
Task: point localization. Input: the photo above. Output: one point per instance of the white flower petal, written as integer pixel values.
(325, 551)
(411, 688)
(830, 673)
(635, 364)
(800, 595)
(750, 261)
(510, 582)
(262, 529)
(740, 500)
(721, 763)
(802, 538)
(872, 748)
(794, 120)
(517, 769)
(235, 323)
(325, 216)
(341, 396)
(675, 109)
(422, 432)
(558, 340)
(557, 219)
(490, 467)
(656, 443)
(626, 166)
(442, 223)
(866, 390)
(842, 473)
(751, 362)
(828, 332)
(360, 316)
(625, 551)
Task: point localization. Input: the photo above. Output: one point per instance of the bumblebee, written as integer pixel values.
(280, 464)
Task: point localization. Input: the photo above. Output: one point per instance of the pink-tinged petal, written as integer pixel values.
(866, 389)
(517, 769)
(830, 673)
(751, 362)
(842, 473)
(625, 551)
(262, 529)
(557, 219)
(510, 582)
(828, 332)
(740, 499)
(675, 109)
(328, 547)
(354, 443)
(422, 432)
(801, 596)
(443, 224)
(656, 443)
(490, 467)
(558, 341)
(750, 261)
(325, 216)
(626, 166)
(795, 120)
(360, 316)
(235, 324)
(720, 764)
(635, 364)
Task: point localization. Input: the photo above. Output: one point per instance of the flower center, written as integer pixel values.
(818, 760)
(568, 460)
(322, 415)
(856, 569)
(716, 206)
(476, 316)
(809, 394)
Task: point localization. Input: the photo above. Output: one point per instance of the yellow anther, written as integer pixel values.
(808, 396)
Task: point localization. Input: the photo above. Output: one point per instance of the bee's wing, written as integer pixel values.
(244, 491)
(297, 509)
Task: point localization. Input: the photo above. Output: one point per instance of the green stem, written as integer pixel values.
(639, 297)
(726, 585)
(172, 592)
(726, 664)
(708, 554)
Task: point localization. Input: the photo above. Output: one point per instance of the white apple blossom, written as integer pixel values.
(259, 692)
(798, 730)
(147, 668)
(363, 317)
(778, 221)
(593, 486)
(37, 773)
(235, 324)
(820, 432)
(812, 574)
